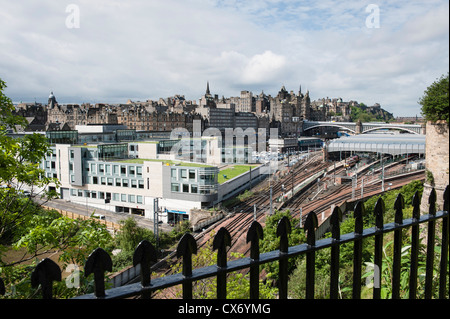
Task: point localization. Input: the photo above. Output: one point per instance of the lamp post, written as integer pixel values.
(156, 221)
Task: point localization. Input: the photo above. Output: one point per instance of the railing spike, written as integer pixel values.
(311, 224)
(186, 247)
(143, 255)
(416, 205)
(44, 274)
(2, 287)
(446, 198)
(398, 206)
(430, 246)
(358, 213)
(379, 213)
(254, 235)
(221, 241)
(98, 263)
(283, 230)
(432, 202)
(335, 220)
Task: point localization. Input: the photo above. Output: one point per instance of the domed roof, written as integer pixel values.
(51, 95)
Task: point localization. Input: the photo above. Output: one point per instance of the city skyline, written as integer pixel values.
(112, 51)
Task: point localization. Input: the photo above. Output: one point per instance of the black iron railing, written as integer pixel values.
(99, 261)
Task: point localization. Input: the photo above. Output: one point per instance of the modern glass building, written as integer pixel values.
(105, 176)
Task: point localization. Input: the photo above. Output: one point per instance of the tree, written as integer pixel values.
(24, 224)
(435, 101)
(47, 232)
(19, 169)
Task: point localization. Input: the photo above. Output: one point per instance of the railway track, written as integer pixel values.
(238, 222)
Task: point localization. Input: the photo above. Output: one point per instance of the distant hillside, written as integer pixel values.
(370, 114)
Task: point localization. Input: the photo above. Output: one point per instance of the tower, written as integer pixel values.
(51, 101)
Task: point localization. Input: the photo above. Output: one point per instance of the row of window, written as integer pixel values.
(191, 174)
(109, 181)
(117, 197)
(183, 173)
(191, 189)
(184, 188)
(110, 169)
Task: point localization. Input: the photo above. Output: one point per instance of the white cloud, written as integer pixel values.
(264, 68)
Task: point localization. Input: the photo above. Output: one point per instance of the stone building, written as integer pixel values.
(436, 163)
(34, 113)
(289, 110)
(246, 102)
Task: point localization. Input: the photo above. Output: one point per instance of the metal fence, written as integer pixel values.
(100, 262)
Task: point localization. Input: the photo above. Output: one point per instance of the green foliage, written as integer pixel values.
(47, 232)
(389, 199)
(297, 279)
(435, 101)
(25, 225)
(429, 178)
(74, 238)
(363, 115)
(19, 167)
(387, 266)
(271, 242)
(131, 234)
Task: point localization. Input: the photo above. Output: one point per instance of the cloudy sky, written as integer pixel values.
(111, 51)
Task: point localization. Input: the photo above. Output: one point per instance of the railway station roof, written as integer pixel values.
(394, 144)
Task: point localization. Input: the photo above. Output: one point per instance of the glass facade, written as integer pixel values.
(126, 135)
(195, 180)
(112, 151)
(164, 147)
(62, 137)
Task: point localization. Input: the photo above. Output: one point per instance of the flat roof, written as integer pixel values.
(393, 144)
(170, 162)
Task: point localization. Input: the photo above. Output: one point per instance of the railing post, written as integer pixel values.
(97, 263)
(143, 255)
(254, 234)
(310, 226)
(444, 248)
(414, 246)
(396, 264)
(430, 246)
(283, 230)
(2, 287)
(222, 240)
(335, 219)
(44, 274)
(357, 250)
(186, 247)
(379, 212)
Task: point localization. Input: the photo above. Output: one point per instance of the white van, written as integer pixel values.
(98, 216)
